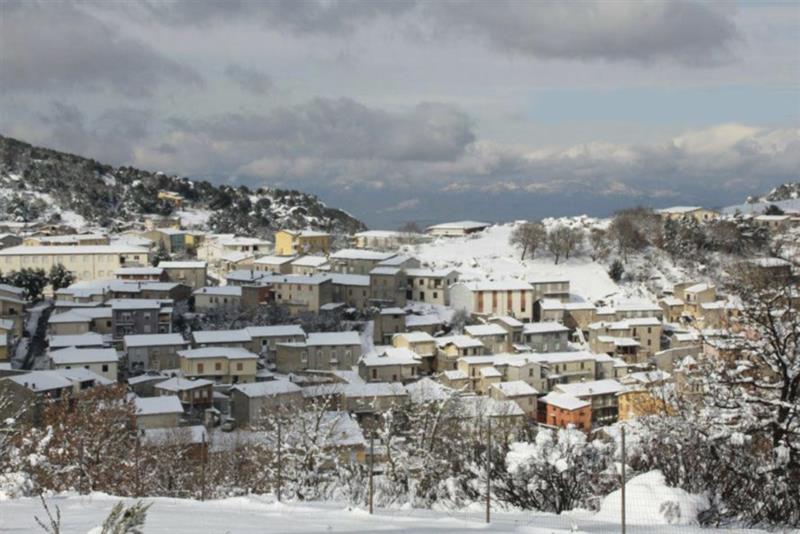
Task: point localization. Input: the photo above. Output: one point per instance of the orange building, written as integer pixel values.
(562, 410)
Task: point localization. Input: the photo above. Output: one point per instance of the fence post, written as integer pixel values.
(488, 468)
(622, 489)
(371, 468)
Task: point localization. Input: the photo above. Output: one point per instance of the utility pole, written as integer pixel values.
(138, 488)
(371, 467)
(80, 461)
(203, 453)
(622, 490)
(278, 489)
(488, 468)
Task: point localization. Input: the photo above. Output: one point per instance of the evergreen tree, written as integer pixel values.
(60, 277)
(616, 270)
(161, 254)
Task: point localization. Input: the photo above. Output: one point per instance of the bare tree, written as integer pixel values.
(598, 243)
(529, 236)
(563, 241)
(626, 233)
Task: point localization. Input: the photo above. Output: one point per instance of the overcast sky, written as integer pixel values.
(420, 110)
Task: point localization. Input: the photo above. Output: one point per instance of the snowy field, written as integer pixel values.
(488, 254)
(257, 515)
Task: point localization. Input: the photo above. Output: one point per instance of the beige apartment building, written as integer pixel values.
(190, 273)
(319, 351)
(504, 297)
(223, 365)
(84, 262)
(302, 293)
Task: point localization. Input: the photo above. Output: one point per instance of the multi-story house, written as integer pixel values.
(155, 352)
(140, 316)
(503, 297)
(190, 273)
(545, 337)
(223, 365)
(390, 364)
(388, 286)
(302, 293)
(431, 286)
(493, 336)
(294, 242)
(319, 351)
(357, 261)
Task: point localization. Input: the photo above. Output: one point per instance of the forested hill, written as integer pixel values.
(43, 184)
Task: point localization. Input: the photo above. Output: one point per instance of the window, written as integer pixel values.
(105, 367)
(435, 295)
(218, 366)
(239, 366)
(374, 373)
(200, 368)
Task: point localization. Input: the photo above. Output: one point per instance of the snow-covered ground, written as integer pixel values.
(488, 254)
(261, 514)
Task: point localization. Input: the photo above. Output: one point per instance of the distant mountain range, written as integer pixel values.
(47, 185)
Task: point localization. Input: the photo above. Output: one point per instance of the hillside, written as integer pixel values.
(43, 184)
(785, 196)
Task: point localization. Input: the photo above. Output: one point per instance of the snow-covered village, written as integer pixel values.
(286, 267)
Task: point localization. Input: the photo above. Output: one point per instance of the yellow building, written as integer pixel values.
(176, 199)
(291, 242)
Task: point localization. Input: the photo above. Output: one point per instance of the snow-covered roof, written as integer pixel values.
(310, 261)
(6, 288)
(317, 339)
(41, 380)
(607, 386)
(153, 340)
(231, 353)
(235, 257)
(550, 304)
(416, 337)
(227, 291)
(515, 388)
(483, 406)
(395, 261)
(538, 280)
(243, 241)
(508, 320)
(158, 405)
(385, 271)
(413, 319)
(135, 304)
(546, 327)
(490, 372)
(672, 301)
(378, 233)
(564, 401)
(392, 311)
(511, 284)
(275, 260)
(455, 374)
(384, 355)
(71, 250)
(221, 336)
(80, 315)
(312, 279)
(194, 434)
(478, 330)
(679, 209)
(375, 389)
(267, 389)
(429, 273)
(361, 254)
(425, 389)
(275, 330)
(697, 288)
(349, 279)
(459, 225)
(182, 264)
(561, 357)
(460, 341)
(306, 233)
(648, 377)
(75, 356)
(89, 339)
(178, 383)
(81, 374)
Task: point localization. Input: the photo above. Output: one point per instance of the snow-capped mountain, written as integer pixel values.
(43, 184)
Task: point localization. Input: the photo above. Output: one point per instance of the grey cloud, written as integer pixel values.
(300, 17)
(686, 31)
(58, 47)
(249, 79)
(339, 129)
(110, 138)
